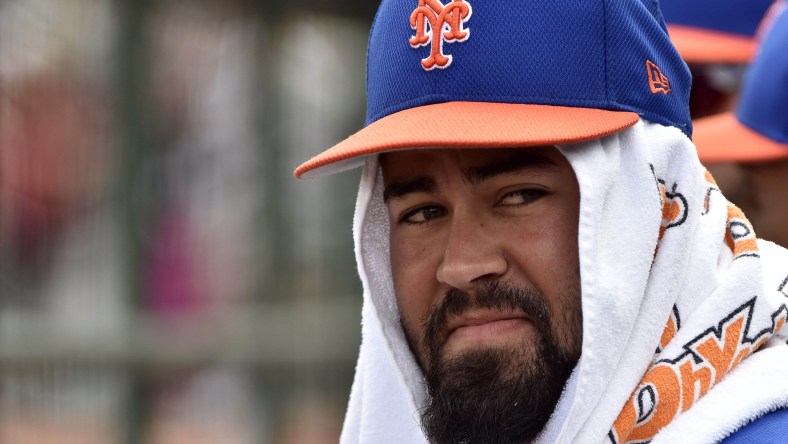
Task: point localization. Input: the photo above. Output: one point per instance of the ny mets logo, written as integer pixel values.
(435, 23)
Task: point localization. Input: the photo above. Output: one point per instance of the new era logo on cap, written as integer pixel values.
(435, 23)
(656, 80)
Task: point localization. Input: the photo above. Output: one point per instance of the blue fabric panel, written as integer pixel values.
(769, 429)
(733, 16)
(583, 53)
(764, 102)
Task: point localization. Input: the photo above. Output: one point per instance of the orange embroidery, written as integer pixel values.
(670, 330)
(711, 186)
(674, 210)
(739, 235)
(435, 23)
(671, 387)
(695, 382)
(656, 80)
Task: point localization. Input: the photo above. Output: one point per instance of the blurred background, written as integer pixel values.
(163, 278)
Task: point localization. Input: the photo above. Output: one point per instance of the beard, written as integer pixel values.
(502, 394)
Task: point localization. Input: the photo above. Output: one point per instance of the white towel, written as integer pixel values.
(752, 389)
(694, 282)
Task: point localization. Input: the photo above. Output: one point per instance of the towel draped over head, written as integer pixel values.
(683, 308)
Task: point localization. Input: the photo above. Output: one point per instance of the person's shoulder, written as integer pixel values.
(768, 429)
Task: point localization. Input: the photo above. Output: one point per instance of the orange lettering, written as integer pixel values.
(670, 330)
(456, 12)
(666, 403)
(721, 358)
(780, 322)
(668, 386)
(739, 235)
(655, 403)
(668, 334)
(417, 23)
(694, 384)
(625, 421)
(428, 20)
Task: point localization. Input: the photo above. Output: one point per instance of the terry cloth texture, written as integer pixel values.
(676, 295)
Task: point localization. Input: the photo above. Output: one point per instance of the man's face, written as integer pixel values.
(485, 264)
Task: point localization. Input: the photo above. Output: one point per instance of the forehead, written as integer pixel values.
(472, 162)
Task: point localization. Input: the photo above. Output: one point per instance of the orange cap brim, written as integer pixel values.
(697, 45)
(469, 125)
(722, 138)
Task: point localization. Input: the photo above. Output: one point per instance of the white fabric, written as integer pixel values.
(628, 293)
(756, 387)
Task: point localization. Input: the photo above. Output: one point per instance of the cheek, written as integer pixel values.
(558, 278)
(566, 301)
(545, 252)
(414, 268)
(549, 243)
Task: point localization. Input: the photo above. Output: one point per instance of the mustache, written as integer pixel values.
(499, 295)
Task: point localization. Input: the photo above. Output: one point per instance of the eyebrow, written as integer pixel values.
(516, 163)
(400, 189)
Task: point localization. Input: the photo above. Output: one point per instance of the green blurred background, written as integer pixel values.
(163, 278)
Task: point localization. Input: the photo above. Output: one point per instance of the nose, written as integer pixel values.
(471, 256)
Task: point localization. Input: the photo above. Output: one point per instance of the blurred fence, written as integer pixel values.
(163, 278)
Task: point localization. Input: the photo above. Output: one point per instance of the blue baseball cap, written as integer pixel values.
(478, 73)
(714, 31)
(758, 129)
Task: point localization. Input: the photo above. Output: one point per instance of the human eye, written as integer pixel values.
(423, 214)
(522, 196)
